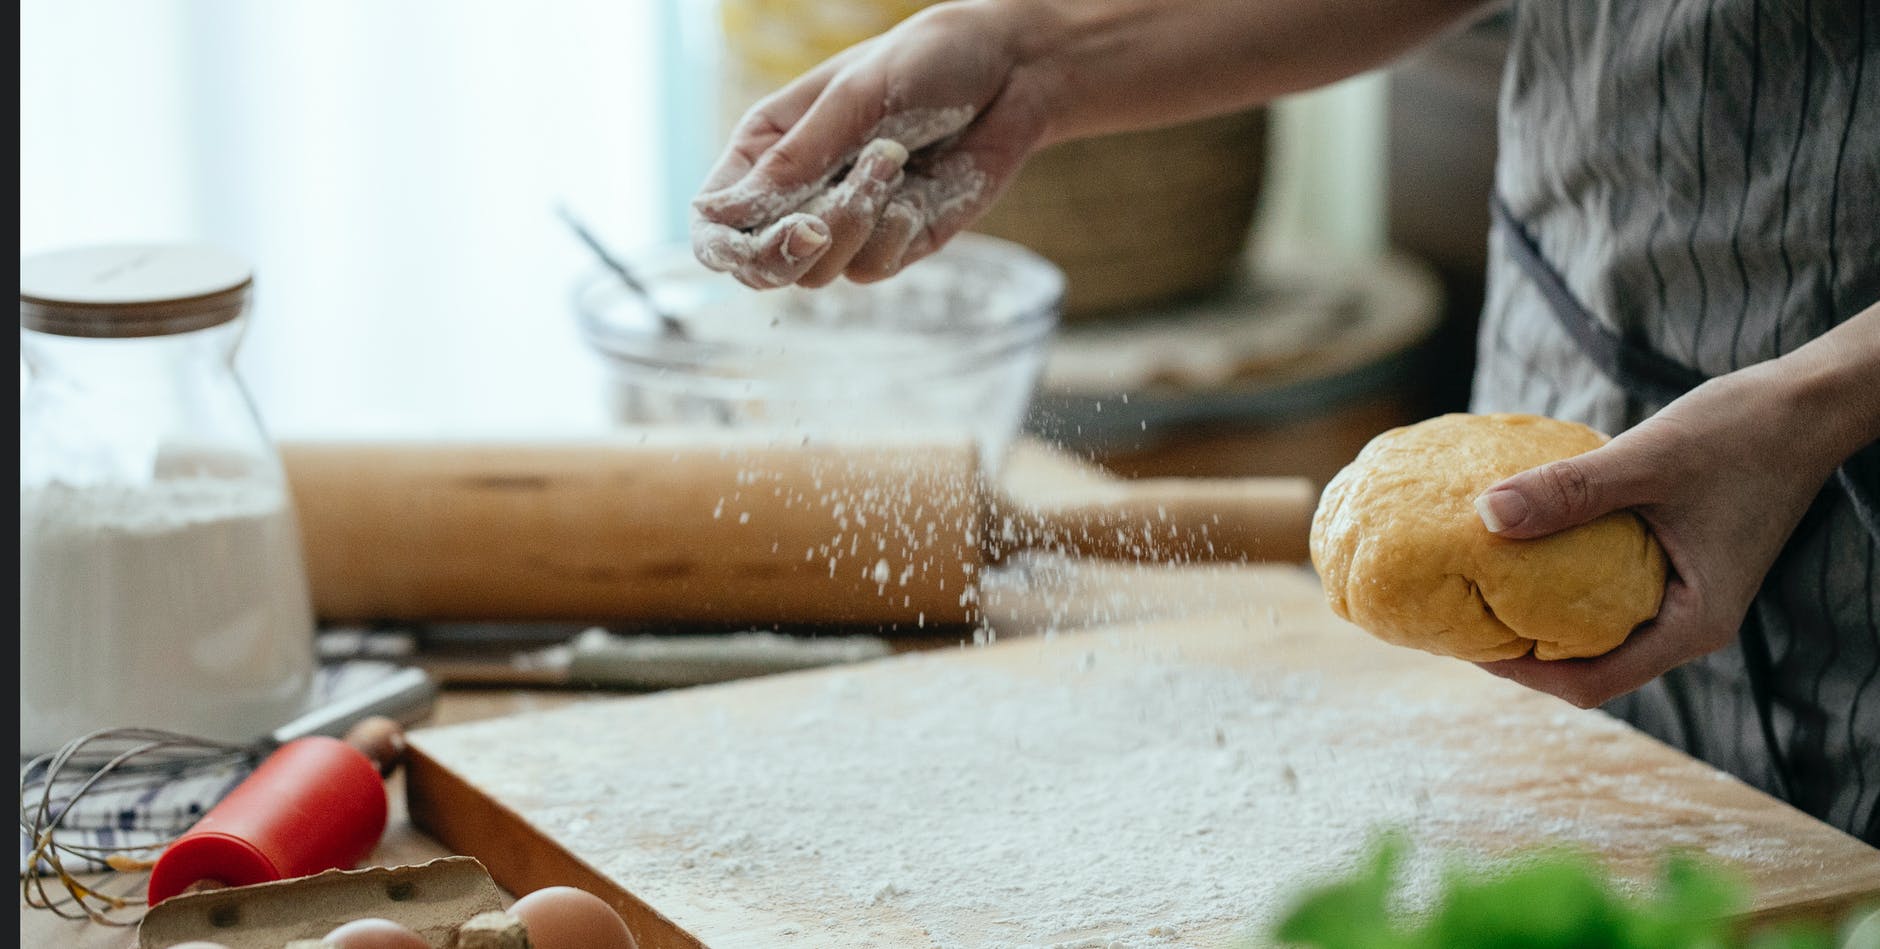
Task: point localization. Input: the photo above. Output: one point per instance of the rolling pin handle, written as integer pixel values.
(1173, 520)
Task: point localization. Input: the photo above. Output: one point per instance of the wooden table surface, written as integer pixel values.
(404, 844)
(1076, 599)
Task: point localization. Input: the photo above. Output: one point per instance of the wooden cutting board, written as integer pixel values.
(1164, 781)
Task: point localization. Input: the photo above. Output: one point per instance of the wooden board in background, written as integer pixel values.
(550, 798)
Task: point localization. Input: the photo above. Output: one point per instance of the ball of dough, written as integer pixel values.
(1404, 555)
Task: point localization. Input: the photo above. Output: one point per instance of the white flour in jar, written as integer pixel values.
(179, 605)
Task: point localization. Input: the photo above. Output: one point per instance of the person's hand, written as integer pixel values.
(880, 155)
(875, 158)
(1721, 476)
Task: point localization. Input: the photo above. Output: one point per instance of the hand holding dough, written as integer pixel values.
(1404, 555)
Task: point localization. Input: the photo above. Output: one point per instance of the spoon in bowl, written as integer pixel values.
(671, 325)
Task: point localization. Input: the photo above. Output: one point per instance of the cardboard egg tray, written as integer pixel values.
(433, 899)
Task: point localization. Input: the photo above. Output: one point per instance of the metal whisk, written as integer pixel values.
(98, 872)
(114, 760)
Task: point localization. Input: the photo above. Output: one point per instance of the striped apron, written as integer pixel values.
(1686, 188)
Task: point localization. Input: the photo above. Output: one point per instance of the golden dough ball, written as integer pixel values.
(1403, 554)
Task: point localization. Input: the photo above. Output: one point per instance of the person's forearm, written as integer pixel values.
(1833, 387)
(1117, 65)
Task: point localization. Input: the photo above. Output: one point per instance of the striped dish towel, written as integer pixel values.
(147, 809)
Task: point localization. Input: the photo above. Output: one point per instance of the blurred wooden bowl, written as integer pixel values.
(1139, 218)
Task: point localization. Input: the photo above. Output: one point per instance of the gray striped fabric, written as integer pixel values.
(1706, 178)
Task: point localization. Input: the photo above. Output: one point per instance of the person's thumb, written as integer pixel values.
(1563, 494)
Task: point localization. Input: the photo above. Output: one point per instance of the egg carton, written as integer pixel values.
(443, 901)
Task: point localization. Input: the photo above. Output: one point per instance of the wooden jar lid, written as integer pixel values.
(131, 290)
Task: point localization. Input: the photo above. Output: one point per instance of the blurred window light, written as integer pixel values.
(390, 167)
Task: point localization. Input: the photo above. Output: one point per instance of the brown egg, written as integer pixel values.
(562, 917)
(375, 934)
(196, 944)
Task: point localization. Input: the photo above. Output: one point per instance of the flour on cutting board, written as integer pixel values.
(1128, 798)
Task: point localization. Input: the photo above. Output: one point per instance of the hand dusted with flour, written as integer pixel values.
(971, 89)
(872, 160)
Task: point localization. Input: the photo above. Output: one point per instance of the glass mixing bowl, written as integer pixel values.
(948, 349)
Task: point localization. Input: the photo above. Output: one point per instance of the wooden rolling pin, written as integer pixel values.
(726, 532)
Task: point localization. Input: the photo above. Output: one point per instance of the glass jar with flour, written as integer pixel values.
(161, 580)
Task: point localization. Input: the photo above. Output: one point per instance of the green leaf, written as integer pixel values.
(1354, 914)
(1691, 888)
(1791, 936)
(1557, 901)
(1553, 900)
(1690, 909)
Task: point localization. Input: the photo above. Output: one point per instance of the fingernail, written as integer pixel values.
(735, 204)
(889, 156)
(804, 240)
(1501, 510)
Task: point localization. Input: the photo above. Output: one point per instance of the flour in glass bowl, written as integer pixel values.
(180, 604)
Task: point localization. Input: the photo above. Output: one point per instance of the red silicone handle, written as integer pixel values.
(315, 804)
